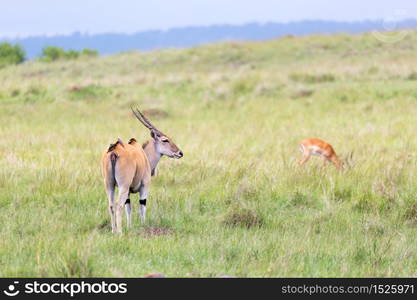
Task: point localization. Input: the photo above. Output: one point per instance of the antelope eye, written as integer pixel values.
(165, 140)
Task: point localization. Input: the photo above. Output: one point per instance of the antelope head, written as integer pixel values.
(163, 144)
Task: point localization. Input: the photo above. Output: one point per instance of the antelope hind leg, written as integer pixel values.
(123, 196)
(110, 197)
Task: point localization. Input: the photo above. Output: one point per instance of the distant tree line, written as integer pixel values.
(51, 53)
(11, 54)
(15, 54)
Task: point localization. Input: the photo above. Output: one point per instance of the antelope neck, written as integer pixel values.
(152, 154)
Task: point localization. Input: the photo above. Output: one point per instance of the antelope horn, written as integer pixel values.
(144, 120)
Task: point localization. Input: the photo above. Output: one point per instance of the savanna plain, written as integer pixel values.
(236, 204)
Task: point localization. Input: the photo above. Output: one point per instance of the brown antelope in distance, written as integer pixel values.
(320, 148)
(130, 167)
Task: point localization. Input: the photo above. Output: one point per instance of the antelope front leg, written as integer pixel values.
(324, 159)
(123, 196)
(143, 192)
(306, 157)
(128, 212)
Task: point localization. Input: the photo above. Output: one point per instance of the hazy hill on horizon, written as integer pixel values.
(110, 43)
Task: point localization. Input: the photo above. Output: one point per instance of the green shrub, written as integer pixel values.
(244, 86)
(72, 54)
(52, 53)
(412, 76)
(299, 199)
(243, 217)
(411, 212)
(11, 54)
(74, 264)
(33, 94)
(89, 52)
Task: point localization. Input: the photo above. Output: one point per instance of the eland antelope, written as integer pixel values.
(320, 148)
(130, 167)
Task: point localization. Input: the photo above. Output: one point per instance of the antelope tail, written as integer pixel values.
(113, 158)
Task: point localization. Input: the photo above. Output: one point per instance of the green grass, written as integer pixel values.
(236, 204)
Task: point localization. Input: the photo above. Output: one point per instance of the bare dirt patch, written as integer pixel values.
(302, 94)
(155, 113)
(155, 231)
(154, 275)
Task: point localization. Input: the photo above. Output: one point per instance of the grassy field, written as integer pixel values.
(236, 204)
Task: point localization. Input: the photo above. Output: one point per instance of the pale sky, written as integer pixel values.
(20, 18)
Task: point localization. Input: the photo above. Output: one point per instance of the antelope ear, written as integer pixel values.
(154, 134)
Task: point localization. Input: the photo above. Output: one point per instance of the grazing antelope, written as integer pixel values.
(130, 167)
(320, 148)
